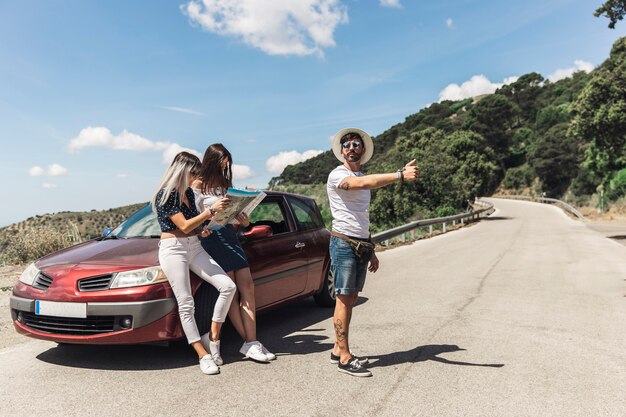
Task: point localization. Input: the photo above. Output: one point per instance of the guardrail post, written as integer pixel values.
(430, 229)
(444, 227)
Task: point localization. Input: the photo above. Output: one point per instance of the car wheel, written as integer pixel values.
(204, 300)
(326, 297)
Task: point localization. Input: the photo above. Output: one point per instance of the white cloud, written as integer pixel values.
(122, 175)
(476, 86)
(277, 27)
(103, 138)
(56, 170)
(390, 3)
(242, 172)
(36, 171)
(182, 110)
(450, 23)
(174, 149)
(562, 73)
(48, 185)
(277, 163)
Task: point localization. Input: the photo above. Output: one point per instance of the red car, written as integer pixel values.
(111, 290)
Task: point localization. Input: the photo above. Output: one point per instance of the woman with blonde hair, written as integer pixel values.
(180, 251)
(214, 178)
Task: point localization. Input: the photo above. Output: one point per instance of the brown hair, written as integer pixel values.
(216, 180)
(350, 136)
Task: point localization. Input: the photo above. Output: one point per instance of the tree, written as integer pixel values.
(600, 115)
(555, 158)
(612, 9)
(524, 93)
(492, 118)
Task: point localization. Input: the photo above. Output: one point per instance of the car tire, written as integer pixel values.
(204, 300)
(326, 297)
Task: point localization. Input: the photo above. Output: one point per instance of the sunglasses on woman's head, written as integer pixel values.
(355, 144)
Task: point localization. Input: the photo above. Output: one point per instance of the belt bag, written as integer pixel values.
(363, 250)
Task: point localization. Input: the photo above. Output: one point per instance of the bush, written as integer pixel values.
(445, 211)
(33, 243)
(518, 178)
(617, 185)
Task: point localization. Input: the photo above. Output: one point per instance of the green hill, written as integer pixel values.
(565, 139)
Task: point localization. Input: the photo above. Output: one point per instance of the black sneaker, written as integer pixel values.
(353, 367)
(334, 359)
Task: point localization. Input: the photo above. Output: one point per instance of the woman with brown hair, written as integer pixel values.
(211, 185)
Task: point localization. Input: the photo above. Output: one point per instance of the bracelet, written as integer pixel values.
(400, 174)
(213, 211)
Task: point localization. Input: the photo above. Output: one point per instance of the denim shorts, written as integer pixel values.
(348, 271)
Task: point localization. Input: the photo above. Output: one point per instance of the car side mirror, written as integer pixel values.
(107, 231)
(258, 232)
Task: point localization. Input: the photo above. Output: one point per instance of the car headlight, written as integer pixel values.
(29, 274)
(138, 277)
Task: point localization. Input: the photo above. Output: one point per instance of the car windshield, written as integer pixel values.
(143, 223)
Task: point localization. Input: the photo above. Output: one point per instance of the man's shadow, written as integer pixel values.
(422, 354)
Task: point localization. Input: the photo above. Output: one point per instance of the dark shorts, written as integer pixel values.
(348, 270)
(224, 247)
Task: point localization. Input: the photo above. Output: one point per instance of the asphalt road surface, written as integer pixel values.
(522, 314)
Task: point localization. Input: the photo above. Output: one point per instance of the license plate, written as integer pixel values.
(56, 309)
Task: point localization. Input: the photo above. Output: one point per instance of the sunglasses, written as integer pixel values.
(355, 144)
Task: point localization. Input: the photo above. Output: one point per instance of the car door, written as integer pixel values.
(310, 226)
(279, 262)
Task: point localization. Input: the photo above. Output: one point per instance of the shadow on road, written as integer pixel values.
(285, 331)
(489, 218)
(422, 354)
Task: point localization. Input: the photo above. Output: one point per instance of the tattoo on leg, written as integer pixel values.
(341, 334)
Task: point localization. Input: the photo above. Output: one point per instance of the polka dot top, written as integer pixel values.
(172, 206)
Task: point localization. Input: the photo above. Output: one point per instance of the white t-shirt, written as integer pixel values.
(204, 201)
(349, 208)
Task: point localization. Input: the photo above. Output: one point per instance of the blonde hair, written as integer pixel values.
(176, 178)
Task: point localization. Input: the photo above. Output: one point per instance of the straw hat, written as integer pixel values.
(368, 143)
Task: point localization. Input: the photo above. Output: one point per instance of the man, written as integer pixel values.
(349, 196)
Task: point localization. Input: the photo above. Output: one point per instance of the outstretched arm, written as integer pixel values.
(374, 181)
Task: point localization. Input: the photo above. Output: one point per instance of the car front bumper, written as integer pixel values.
(106, 322)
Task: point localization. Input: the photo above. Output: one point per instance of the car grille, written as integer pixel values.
(42, 281)
(98, 283)
(63, 325)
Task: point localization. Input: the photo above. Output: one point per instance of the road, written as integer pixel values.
(522, 314)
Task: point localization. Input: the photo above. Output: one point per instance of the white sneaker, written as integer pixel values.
(253, 351)
(270, 355)
(213, 348)
(207, 366)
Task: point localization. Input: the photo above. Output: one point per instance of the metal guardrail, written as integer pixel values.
(562, 204)
(461, 218)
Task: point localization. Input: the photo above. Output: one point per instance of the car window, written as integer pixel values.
(306, 217)
(143, 223)
(270, 213)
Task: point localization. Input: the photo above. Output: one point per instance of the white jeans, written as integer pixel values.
(179, 255)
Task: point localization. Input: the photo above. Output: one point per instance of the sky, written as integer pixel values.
(96, 97)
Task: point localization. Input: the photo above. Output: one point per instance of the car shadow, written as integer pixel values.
(422, 354)
(284, 330)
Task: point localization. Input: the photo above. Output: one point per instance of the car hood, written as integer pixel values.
(102, 256)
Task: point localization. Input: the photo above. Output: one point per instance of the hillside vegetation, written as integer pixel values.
(564, 139)
(39, 235)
